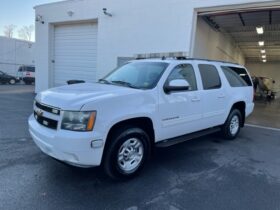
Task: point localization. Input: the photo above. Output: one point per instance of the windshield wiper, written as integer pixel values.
(104, 81)
(127, 84)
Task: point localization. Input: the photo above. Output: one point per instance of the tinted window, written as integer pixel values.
(30, 68)
(237, 77)
(186, 72)
(210, 76)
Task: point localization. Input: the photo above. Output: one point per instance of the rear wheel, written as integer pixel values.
(126, 153)
(12, 81)
(231, 128)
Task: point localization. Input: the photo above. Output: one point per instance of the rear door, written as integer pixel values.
(213, 95)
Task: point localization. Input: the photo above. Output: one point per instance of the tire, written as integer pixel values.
(231, 128)
(126, 152)
(12, 81)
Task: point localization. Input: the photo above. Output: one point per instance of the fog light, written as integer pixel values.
(96, 143)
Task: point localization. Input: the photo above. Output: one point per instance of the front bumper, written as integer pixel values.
(28, 79)
(74, 148)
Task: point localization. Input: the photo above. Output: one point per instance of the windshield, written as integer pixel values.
(141, 75)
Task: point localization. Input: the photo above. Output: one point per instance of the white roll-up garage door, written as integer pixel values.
(75, 52)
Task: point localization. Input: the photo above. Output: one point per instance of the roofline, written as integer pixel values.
(16, 39)
(52, 3)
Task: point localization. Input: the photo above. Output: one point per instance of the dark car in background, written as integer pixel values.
(27, 74)
(6, 78)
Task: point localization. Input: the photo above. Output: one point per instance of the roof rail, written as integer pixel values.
(201, 59)
(164, 57)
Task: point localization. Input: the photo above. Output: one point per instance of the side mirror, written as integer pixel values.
(177, 85)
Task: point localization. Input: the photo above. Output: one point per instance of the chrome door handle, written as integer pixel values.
(222, 96)
(195, 99)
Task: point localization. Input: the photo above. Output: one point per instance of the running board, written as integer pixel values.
(180, 139)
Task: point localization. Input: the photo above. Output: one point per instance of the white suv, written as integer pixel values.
(144, 103)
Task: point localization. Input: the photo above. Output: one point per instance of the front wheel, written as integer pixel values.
(231, 128)
(126, 153)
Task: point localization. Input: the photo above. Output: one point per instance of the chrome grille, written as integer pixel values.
(46, 108)
(47, 116)
(46, 121)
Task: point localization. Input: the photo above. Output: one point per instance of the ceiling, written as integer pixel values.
(242, 28)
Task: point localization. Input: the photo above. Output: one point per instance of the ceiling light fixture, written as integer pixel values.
(264, 61)
(261, 43)
(262, 51)
(263, 56)
(260, 30)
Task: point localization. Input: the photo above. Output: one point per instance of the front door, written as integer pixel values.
(180, 111)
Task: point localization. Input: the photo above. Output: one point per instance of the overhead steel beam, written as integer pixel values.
(211, 23)
(241, 18)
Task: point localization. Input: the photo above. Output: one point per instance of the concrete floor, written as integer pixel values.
(266, 114)
(205, 173)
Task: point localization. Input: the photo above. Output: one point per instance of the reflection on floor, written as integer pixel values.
(266, 114)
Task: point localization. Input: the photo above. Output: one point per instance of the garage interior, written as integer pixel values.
(251, 38)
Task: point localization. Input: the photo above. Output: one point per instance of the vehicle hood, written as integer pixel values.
(8, 76)
(73, 97)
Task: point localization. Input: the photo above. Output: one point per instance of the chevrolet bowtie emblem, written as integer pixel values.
(39, 112)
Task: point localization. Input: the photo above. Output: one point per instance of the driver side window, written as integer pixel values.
(186, 72)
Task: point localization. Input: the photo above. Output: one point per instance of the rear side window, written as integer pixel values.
(210, 77)
(237, 77)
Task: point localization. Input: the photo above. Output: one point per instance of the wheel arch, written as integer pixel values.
(144, 123)
(241, 106)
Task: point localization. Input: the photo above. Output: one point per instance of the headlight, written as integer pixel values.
(78, 121)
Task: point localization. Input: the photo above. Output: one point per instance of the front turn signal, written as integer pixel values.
(91, 121)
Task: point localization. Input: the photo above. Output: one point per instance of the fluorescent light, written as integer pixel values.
(262, 51)
(259, 30)
(263, 56)
(261, 43)
(264, 61)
